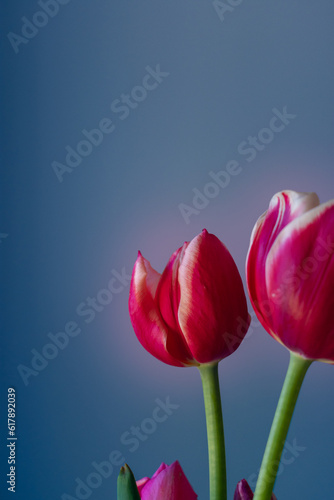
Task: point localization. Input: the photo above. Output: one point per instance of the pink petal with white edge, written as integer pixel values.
(299, 277)
(168, 483)
(212, 301)
(284, 207)
(152, 332)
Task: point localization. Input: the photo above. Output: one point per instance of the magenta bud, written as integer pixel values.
(195, 312)
(167, 483)
(243, 492)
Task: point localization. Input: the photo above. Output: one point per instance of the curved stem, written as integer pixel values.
(297, 369)
(215, 431)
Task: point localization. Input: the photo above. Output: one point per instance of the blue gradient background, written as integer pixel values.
(64, 239)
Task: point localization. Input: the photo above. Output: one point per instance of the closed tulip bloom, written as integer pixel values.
(168, 483)
(196, 311)
(243, 492)
(290, 273)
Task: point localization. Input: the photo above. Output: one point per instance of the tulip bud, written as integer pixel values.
(196, 311)
(290, 273)
(167, 483)
(243, 492)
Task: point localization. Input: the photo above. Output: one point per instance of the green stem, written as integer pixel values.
(215, 431)
(297, 369)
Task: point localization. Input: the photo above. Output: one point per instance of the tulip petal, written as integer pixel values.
(243, 491)
(141, 483)
(169, 482)
(149, 326)
(212, 302)
(162, 467)
(299, 277)
(284, 207)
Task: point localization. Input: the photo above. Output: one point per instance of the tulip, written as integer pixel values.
(196, 311)
(167, 483)
(290, 273)
(126, 485)
(194, 314)
(243, 492)
(290, 276)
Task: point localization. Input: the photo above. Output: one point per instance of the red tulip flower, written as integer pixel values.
(195, 312)
(168, 483)
(290, 273)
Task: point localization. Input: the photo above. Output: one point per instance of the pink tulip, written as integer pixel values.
(290, 273)
(196, 311)
(167, 483)
(243, 492)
